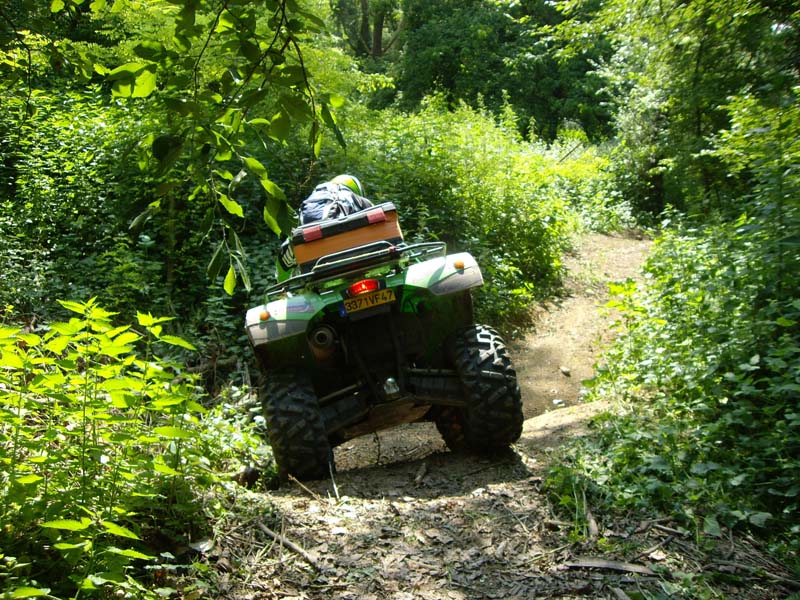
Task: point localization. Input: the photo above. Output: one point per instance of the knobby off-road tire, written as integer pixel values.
(492, 418)
(295, 426)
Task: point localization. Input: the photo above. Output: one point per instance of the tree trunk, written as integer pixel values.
(365, 35)
(377, 34)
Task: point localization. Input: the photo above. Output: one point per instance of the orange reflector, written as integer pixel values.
(363, 287)
(264, 316)
(459, 264)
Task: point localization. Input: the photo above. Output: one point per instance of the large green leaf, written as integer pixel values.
(133, 80)
(174, 340)
(255, 166)
(280, 127)
(129, 553)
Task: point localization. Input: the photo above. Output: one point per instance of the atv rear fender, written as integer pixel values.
(446, 274)
(284, 317)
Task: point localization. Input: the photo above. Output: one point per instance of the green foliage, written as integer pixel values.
(66, 211)
(103, 451)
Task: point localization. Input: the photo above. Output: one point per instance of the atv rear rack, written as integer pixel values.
(353, 260)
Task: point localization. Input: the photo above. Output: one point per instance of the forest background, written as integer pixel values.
(152, 154)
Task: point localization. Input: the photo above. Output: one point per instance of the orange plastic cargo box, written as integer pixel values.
(374, 224)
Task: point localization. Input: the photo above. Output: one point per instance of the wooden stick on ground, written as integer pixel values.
(600, 563)
(294, 479)
(290, 545)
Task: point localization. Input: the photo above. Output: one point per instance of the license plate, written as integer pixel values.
(365, 301)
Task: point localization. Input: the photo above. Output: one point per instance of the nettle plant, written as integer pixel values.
(99, 439)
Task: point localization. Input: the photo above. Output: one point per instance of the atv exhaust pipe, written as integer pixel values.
(322, 342)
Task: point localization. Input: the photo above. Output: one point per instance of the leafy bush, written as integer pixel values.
(104, 451)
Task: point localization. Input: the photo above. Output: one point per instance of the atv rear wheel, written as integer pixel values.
(295, 426)
(492, 417)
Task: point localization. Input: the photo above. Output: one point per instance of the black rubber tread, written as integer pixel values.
(492, 418)
(295, 426)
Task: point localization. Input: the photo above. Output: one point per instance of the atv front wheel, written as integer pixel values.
(492, 417)
(295, 425)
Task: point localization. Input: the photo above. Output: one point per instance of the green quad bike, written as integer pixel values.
(372, 332)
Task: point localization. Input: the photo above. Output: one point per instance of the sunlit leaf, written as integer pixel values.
(226, 22)
(119, 530)
(148, 320)
(31, 339)
(76, 307)
(28, 479)
(229, 285)
(129, 553)
(29, 592)
(175, 433)
(67, 546)
(133, 80)
(8, 332)
(280, 127)
(336, 100)
(255, 166)
(231, 205)
(176, 341)
(68, 524)
(127, 338)
(160, 467)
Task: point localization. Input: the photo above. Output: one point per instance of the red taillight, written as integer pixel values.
(363, 287)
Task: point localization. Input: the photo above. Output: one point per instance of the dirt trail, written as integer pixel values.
(570, 333)
(408, 520)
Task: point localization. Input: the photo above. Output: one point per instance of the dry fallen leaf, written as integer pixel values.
(657, 555)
